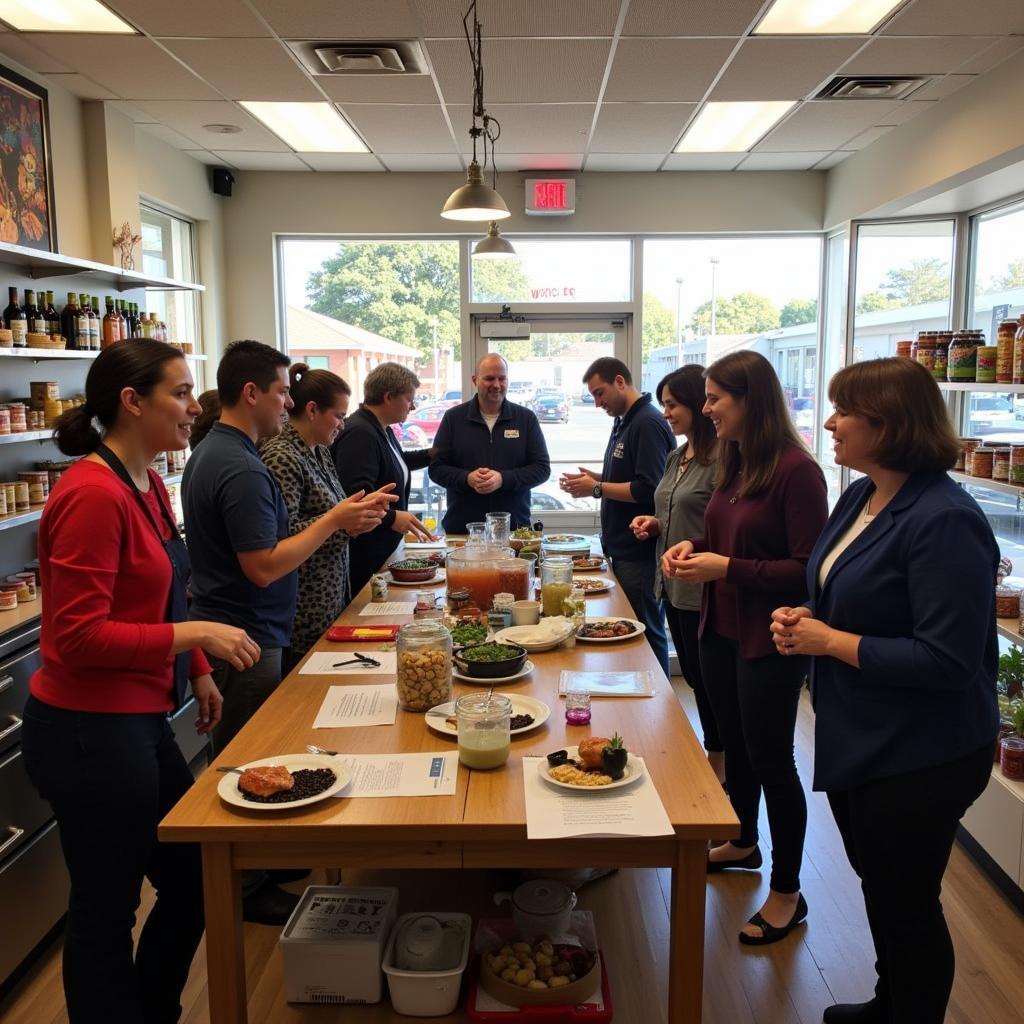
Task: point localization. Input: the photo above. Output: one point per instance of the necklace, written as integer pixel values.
(736, 496)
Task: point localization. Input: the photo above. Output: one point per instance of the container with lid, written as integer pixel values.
(484, 729)
(5, 420)
(21, 495)
(963, 356)
(904, 346)
(986, 364)
(1004, 351)
(1018, 353)
(1001, 464)
(38, 485)
(1011, 757)
(19, 419)
(940, 366)
(424, 673)
(540, 906)
(485, 570)
(8, 600)
(1017, 464)
(981, 462)
(925, 351)
(1007, 602)
(555, 583)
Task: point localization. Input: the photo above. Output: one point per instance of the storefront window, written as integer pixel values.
(837, 257)
(168, 251)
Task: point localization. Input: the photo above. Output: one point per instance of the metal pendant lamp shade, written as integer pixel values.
(493, 246)
(475, 201)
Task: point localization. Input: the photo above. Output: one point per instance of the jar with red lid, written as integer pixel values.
(1011, 757)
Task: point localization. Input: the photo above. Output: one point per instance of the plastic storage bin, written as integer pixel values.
(426, 993)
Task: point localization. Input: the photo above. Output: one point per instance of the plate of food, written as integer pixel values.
(606, 629)
(413, 570)
(527, 713)
(436, 576)
(597, 764)
(283, 782)
(544, 636)
(593, 584)
(589, 563)
(527, 668)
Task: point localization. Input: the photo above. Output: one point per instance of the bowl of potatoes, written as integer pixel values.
(540, 973)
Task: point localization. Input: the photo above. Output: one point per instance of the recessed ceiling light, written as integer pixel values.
(825, 17)
(731, 127)
(62, 16)
(222, 129)
(308, 127)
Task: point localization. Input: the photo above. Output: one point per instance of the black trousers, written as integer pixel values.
(755, 703)
(110, 779)
(683, 624)
(898, 834)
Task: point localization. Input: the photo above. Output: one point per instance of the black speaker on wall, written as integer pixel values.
(223, 179)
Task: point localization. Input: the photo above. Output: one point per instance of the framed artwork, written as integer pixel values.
(26, 179)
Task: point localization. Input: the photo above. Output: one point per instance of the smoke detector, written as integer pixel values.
(871, 87)
(360, 57)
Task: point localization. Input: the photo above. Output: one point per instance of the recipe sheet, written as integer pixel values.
(554, 813)
(400, 774)
(380, 608)
(346, 706)
(345, 663)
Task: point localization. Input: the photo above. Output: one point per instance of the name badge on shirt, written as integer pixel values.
(511, 434)
(619, 451)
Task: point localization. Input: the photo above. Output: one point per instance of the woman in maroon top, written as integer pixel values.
(763, 519)
(118, 656)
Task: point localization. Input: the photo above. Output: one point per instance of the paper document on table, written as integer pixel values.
(381, 608)
(553, 813)
(346, 706)
(345, 663)
(401, 774)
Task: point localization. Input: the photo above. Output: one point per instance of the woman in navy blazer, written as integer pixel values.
(901, 627)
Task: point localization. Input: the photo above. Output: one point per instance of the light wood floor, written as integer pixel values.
(790, 983)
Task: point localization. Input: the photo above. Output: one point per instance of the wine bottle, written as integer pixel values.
(84, 322)
(111, 327)
(97, 321)
(51, 314)
(147, 326)
(15, 319)
(36, 320)
(133, 320)
(69, 321)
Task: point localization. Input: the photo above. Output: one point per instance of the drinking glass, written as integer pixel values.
(499, 528)
(484, 729)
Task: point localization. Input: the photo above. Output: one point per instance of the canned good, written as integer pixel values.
(985, 372)
(21, 502)
(43, 391)
(8, 600)
(1001, 464)
(51, 411)
(981, 462)
(5, 420)
(378, 588)
(18, 412)
(1017, 464)
(38, 485)
(903, 347)
(9, 497)
(1004, 351)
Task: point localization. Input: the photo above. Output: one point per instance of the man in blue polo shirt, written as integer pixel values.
(634, 463)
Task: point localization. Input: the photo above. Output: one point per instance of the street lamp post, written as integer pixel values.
(714, 267)
(679, 322)
(438, 391)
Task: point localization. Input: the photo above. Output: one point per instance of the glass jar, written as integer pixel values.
(940, 367)
(485, 570)
(426, 606)
(1004, 351)
(1011, 757)
(485, 739)
(1007, 602)
(1018, 354)
(904, 346)
(498, 528)
(424, 671)
(476, 534)
(981, 462)
(555, 583)
(986, 367)
(1001, 464)
(925, 351)
(963, 356)
(970, 445)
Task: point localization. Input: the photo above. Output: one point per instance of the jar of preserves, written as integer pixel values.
(904, 346)
(981, 462)
(1018, 353)
(1004, 351)
(484, 725)
(458, 599)
(941, 365)
(925, 352)
(1005, 729)
(21, 496)
(963, 356)
(5, 420)
(424, 671)
(1011, 757)
(986, 365)
(1001, 464)
(19, 417)
(970, 445)
(1017, 464)
(1007, 602)
(555, 583)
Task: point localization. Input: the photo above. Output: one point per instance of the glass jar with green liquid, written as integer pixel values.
(555, 583)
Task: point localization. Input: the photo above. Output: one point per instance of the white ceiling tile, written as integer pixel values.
(640, 127)
(781, 161)
(82, 87)
(134, 113)
(195, 18)
(334, 20)
(130, 66)
(204, 156)
(866, 138)
(423, 162)
(995, 55)
(441, 19)
(892, 56)
(834, 159)
(537, 162)
(342, 161)
(401, 129)
(168, 135)
(902, 112)
(702, 161)
(21, 49)
(956, 18)
(693, 18)
(189, 118)
(624, 161)
(943, 87)
(378, 88)
(824, 124)
(782, 69)
(263, 161)
(666, 69)
(523, 71)
(532, 127)
(246, 69)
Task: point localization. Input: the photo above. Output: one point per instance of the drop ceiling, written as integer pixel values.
(600, 85)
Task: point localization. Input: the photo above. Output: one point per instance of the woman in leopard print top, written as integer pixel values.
(299, 458)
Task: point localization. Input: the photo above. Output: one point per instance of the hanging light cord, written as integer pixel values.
(491, 129)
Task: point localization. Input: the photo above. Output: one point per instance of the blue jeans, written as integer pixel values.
(637, 582)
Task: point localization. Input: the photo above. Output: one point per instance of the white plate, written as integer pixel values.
(514, 634)
(527, 668)
(227, 787)
(438, 577)
(521, 705)
(591, 568)
(634, 771)
(640, 628)
(606, 584)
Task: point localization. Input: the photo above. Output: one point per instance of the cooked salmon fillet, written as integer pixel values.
(266, 781)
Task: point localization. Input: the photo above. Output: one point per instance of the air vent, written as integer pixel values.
(360, 57)
(871, 87)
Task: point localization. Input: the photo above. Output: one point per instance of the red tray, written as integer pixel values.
(580, 1013)
(343, 634)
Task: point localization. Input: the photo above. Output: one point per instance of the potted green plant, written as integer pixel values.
(1010, 673)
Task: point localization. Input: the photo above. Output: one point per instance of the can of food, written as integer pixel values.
(967, 446)
(985, 372)
(1001, 464)
(9, 496)
(6, 337)
(17, 412)
(43, 391)
(1007, 602)
(8, 600)
(38, 485)
(981, 462)
(1017, 464)
(3, 501)
(51, 411)
(1004, 351)
(903, 347)
(5, 420)
(21, 502)
(378, 588)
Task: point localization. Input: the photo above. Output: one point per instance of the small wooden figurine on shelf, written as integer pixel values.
(126, 240)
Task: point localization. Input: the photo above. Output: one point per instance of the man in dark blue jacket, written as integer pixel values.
(488, 453)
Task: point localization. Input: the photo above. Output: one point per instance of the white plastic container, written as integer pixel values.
(333, 944)
(426, 993)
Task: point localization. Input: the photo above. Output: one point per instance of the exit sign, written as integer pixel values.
(550, 197)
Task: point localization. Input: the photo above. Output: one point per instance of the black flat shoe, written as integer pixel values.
(769, 933)
(871, 1012)
(751, 862)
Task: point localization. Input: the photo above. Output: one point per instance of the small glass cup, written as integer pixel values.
(577, 707)
(498, 527)
(485, 739)
(476, 534)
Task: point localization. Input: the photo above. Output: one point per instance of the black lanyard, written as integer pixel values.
(177, 554)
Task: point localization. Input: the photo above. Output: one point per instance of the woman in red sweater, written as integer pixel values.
(118, 657)
(764, 517)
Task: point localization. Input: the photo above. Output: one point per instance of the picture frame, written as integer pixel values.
(27, 213)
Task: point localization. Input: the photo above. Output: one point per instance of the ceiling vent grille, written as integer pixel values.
(871, 87)
(360, 57)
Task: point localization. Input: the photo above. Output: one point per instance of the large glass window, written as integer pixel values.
(168, 251)
(833, 358)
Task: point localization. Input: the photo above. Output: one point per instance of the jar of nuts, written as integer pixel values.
(424, 665)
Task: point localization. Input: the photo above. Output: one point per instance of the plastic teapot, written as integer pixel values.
(540, 906)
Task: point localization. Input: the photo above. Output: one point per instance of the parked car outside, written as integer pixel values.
(587, 398)
(452, 396)
(521, 392)
(410, 436)
(551, 409)
(428, 419)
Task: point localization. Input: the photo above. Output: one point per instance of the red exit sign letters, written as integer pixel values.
(550, 197)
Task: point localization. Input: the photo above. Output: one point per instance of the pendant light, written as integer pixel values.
(476, 201)
(493, 246)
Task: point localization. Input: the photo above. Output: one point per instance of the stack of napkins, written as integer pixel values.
(551, 629)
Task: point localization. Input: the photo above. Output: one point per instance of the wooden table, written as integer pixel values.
(483, 825)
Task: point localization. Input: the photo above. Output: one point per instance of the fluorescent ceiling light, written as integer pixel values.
(827, 17)
(308, 127)
(61, 16)
(731, 127)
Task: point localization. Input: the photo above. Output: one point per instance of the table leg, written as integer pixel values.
(686, 941)
(225, 951)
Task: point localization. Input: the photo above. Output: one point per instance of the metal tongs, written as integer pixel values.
(359, 659)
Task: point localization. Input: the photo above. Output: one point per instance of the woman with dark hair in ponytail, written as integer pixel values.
(118, 655)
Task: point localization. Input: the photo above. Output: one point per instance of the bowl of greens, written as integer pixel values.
(524, 539)
(413, 570)
(467, 633)
(490, 661)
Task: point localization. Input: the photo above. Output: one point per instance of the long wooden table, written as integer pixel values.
(483, 825)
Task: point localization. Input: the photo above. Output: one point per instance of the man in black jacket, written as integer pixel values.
(489, 452)
(368, 450)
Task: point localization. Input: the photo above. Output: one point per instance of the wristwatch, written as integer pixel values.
(596, 492)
